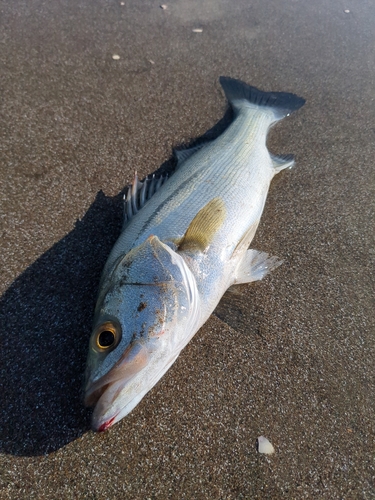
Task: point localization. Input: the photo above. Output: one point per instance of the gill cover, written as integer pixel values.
(149, 295)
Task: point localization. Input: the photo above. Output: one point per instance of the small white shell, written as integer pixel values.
(264, 446)
(116, 57)
(197, 30)
(164, 7)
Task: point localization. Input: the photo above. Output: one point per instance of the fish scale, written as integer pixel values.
(202, 178)
(179, 251)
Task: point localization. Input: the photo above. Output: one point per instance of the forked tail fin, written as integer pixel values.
(240, 95)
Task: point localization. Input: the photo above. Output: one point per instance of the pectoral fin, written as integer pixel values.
(255, 266)
(204, 226)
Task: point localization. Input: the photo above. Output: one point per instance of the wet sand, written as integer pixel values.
(290, 358)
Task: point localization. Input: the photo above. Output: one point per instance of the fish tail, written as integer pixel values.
(240, 95)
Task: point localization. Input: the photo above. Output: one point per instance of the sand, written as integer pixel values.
(90, 92)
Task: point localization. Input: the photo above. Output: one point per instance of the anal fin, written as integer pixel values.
(255, 266)
(282, 161)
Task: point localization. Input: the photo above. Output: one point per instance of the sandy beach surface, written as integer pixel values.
(93, 90)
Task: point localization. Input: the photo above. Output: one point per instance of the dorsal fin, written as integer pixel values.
(138, 193)
(183, 154)
(204, 226)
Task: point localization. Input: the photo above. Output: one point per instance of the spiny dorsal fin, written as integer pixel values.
(139, 193)
(204, 226)
(282, 161)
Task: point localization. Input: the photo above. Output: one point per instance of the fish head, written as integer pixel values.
(147, 311)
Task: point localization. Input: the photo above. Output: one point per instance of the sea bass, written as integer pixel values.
(184, 242)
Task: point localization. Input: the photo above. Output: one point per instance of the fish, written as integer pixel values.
(184, 242)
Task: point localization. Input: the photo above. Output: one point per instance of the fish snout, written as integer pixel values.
(106, 388)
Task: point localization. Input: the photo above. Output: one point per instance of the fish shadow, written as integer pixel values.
(46, 317)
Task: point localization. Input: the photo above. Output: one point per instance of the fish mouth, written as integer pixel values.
(103, 393)
(106, 425)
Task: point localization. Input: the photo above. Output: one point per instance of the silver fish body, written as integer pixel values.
(180, 250)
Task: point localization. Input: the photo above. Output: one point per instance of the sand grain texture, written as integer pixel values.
(292, 357)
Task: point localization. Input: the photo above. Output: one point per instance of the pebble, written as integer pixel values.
(116, 57)
(197, 30)
(164, 7)
(264, 446)
(346, 11)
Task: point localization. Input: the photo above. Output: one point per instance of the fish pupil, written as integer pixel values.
(106, 338)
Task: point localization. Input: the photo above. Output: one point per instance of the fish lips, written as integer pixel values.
(104, 392)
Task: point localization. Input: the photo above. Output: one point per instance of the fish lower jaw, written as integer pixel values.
(120, 399)
(101, 423)
(106, 425)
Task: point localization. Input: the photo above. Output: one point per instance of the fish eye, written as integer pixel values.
(107, 336)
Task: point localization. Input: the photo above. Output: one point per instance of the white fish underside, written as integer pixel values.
(232, 173)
